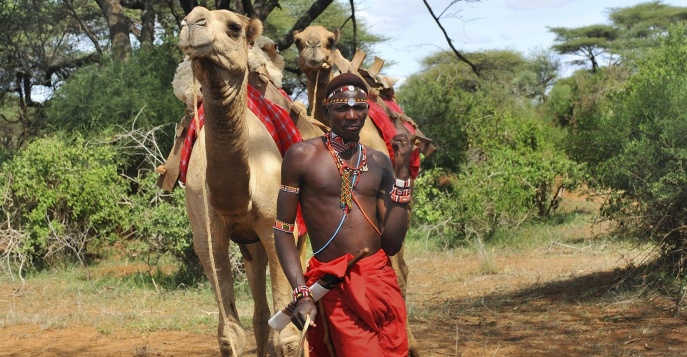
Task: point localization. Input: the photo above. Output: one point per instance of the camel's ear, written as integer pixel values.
(337, 35)
(297, 39)
(253, 30)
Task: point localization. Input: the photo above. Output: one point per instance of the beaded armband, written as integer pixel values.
(290, 189)
(284, 227)
(301, 292)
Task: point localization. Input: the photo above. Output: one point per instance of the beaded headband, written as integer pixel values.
(350, 101)
(348, 88)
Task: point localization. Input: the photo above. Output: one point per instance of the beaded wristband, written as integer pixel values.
(284, 227)
(301, 292)
(400, 195)
(402, 183)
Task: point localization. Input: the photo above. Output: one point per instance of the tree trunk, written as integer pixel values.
(148, 24)
(119, 28)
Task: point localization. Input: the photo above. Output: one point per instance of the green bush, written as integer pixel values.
(507, 188)
(647, 170)
(161, 225)
(63, 194)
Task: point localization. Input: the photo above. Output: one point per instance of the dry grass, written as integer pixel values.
(558, 297)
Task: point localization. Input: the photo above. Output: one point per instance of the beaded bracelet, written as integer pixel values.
(284, 227)
(301, 292)
(400, 195)
(402, 183)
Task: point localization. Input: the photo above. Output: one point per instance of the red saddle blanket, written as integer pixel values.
(275, 118)
(388, 130)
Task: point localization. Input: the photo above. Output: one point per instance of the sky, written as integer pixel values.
(520, 25)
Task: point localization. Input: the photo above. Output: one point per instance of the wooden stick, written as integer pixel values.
(327, 338)
(303, 334)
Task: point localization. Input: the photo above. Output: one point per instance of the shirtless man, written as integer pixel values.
(352, 198)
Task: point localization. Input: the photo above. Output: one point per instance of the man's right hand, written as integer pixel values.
(304, 307)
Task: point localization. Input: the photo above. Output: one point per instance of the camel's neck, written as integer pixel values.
(226, 139)
(317, 86)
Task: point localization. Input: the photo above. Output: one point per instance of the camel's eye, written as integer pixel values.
(235, 29)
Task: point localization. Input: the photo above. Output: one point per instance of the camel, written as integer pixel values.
(233, 179)
(317, 58)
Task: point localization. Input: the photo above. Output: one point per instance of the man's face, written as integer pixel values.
(347, 111)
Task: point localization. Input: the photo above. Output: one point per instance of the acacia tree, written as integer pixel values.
(591, 42)
(631, 30)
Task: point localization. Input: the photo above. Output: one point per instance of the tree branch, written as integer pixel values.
(449, 40)
(355, 25)
(84, 28)
(263, 8)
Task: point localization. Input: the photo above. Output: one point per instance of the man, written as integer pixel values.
(352, 198)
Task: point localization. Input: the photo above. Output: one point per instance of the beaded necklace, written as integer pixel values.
(347, 183)
(345, 170)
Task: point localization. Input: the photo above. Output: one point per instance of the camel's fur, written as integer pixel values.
(317, 54)
(233, 179)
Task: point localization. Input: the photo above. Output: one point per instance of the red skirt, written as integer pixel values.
(366, 314)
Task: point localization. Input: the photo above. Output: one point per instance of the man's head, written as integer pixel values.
(346, 105)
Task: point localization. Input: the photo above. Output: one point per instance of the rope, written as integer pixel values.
(314, 95)
(208, 230)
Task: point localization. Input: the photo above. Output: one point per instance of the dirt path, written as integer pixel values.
(557, 300)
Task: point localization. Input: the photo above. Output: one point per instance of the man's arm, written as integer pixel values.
(285, 243)
(394, 215)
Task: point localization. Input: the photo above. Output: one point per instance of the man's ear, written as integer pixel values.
(325, 109)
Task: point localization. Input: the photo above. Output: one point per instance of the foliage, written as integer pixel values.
(515, 178)
(138, 91)
(496, 163)
(591, 42)
(645, 162)
(632, 30)
(62, 194)
(161, 223)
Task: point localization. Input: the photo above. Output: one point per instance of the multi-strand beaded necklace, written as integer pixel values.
(349, 175)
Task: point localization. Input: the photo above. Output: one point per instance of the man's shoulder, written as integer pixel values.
(305, 147)
(376, 155)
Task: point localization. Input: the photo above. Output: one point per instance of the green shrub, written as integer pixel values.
(647, 169)
(161, 225)
(63, 195)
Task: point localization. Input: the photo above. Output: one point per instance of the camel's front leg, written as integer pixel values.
(401, 268)
(217, 266)
(255, 263)
(287, 340)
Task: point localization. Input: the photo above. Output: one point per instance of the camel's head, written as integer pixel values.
(315, 45)
(220, 37)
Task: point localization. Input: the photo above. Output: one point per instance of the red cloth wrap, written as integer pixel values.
(366, 312)
(277, 122)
